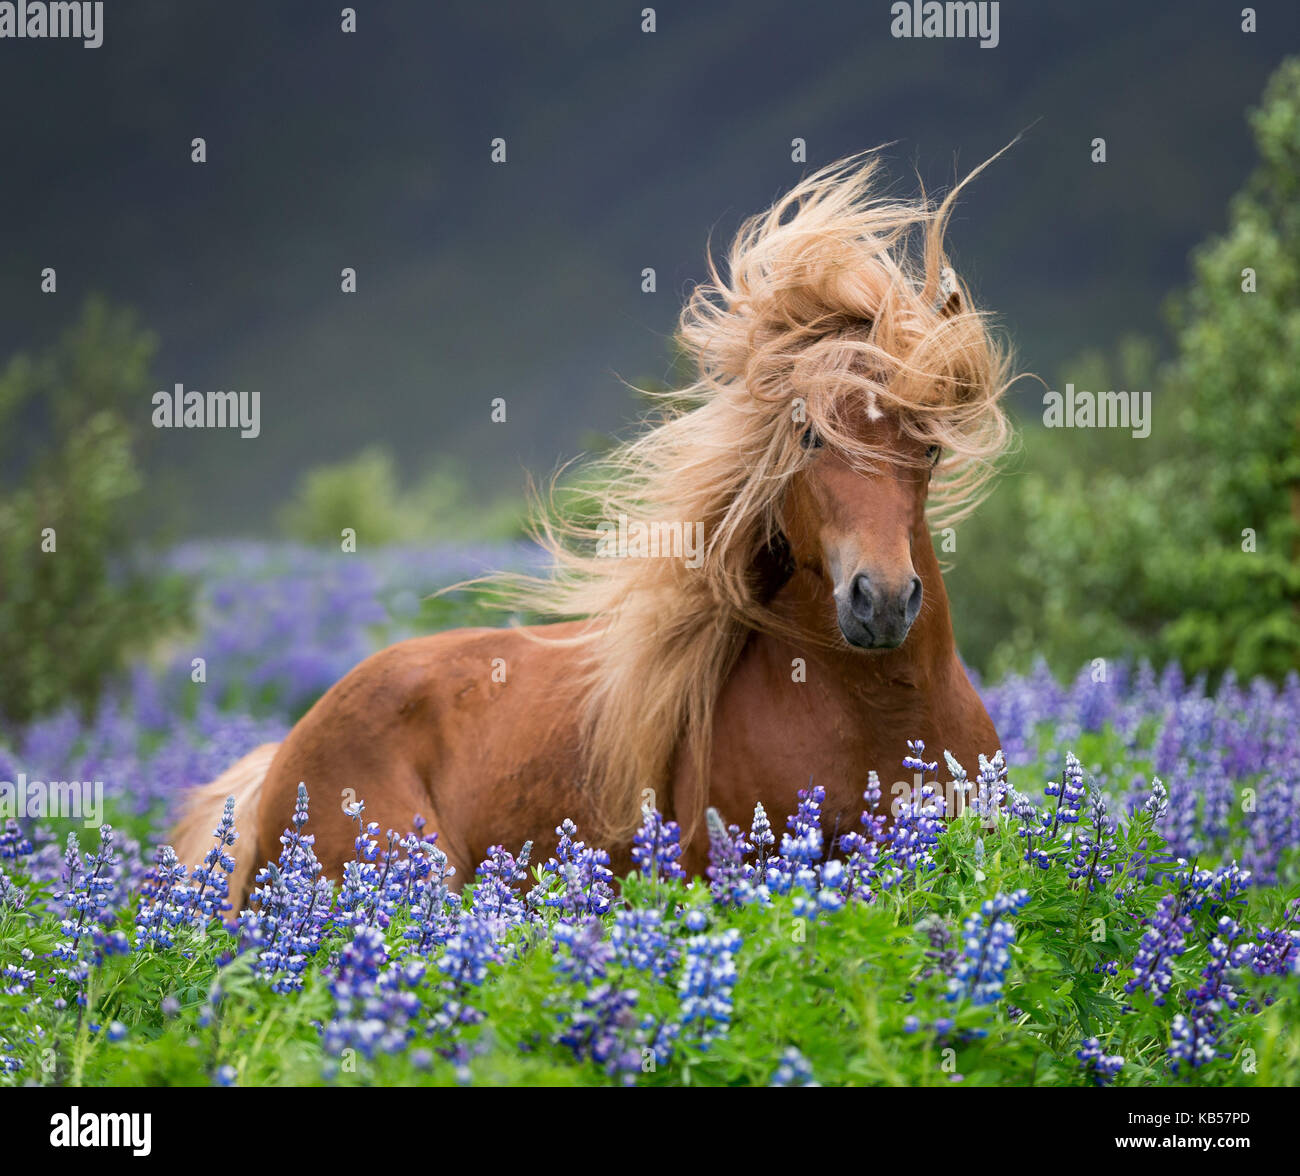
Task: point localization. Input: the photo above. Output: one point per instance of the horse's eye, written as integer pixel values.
(932, 455)
(810, 439)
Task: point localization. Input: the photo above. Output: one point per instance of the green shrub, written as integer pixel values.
(1185, 544)
(73, 603)
(364, 493)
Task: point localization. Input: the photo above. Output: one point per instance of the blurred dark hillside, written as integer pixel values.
(626, 150)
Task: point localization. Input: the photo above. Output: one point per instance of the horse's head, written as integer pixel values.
(858, 529)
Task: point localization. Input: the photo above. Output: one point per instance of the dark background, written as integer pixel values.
(626, 150)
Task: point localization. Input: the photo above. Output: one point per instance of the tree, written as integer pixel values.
(72, 601)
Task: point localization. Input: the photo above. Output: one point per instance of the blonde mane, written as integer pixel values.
(833, 300)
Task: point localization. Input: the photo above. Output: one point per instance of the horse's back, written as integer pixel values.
(475, 730)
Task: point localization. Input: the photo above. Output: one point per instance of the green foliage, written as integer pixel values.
(69, 616)
(855, 992)
(1184, 544)
(1239, 371)
(364, 493)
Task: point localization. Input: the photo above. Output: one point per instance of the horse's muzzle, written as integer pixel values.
(872, 616)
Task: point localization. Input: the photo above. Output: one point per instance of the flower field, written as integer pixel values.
(1115, 905)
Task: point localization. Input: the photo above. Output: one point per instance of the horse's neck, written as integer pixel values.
(922, 662)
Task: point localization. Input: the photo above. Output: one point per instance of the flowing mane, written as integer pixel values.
(833, 301)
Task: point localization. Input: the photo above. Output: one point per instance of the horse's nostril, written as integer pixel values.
(913, 605)
(860, 598)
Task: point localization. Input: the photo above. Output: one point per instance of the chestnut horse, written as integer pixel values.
(846, 402)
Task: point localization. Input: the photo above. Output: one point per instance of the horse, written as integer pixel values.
(845, 403)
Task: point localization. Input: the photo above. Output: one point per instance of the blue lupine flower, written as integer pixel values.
(761, 838)
(1099, 1066)
(991, 787)
(915, 759)
(916, 830)
(1214, 890)
(1094, 846)
(1163, 941)
(294, 907)
(866, 864)
(16, 979)
(12, 896)
(577, 880)
(164, 902)
(657, 846)
(639, 941)
(496, 894)
(695, 919)
(210, 882)
(730, 876)
(1069, 793)
(430, 903)
(464, 964)
(793, 1070)
(1195, 1036)
(88, 888)
(986, 937)
(1277, 952)
(375, 1009)
(13, 843)
(708, 976)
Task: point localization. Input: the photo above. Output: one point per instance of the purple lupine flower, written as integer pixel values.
(916, 830)
(375, 1007)
(603, 1027)
(1277, 952)
(14, 844)
(16, 979)
(210, 882)
(991, 787)
(1069, 792)
(164, 902)
(1032, 825)
(1195, 1035)
(431, 903)
(762, 839)
(1094, 846)
(598, 1022)
(638, 940)
(986, 937)
(85, 900)
(12, 896)
(467, 955)
(583, 876)
(941, 952)
(1099, 1066)
(730, 876)
(496, 896)
(294, 907)
(808, 813)
(866, 864)
(793, 1070)
(705, 986)
(915, 759)
(583, 954)
(657, 846)
(1164, 940)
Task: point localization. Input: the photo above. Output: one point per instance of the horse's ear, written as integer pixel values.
(952, 306)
